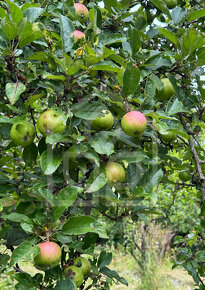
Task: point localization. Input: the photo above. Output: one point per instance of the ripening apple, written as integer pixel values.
(105, 122)
(133, 123)
(75, 274)
(167, 92)
(77, 35)
(49, 256)
(169, 136)
(114, 172)
(51, 122)
(81, 12)
(171, 3)
(22, 133)
(83, 264)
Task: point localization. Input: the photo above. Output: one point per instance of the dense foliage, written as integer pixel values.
(65, 171)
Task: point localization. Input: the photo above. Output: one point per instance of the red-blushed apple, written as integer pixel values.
(83, 264)
(75, 274)
(22, 133)
(133, 123)
(77, 35)
(49, 256)
(167, 92)
(51, 122)
(81, 12)
(169, 136)
(105, 122)
(114, 172)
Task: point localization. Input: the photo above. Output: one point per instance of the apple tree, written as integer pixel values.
(95, 97)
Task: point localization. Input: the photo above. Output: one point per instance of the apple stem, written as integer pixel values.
(47, 236)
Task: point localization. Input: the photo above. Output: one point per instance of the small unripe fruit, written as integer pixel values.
(78, 35)
(83, 264)
(171, 3)
(106, 122)
(49, 256)
(22, 133)
(75, 274)
(184, 175)
(167, 92)
(81, 12)
(114, 172)
(51, 122)
(133, 123)
(170, 136)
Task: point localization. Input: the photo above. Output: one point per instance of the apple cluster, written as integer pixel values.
(23, 133)
(50, 255)
(81, 14)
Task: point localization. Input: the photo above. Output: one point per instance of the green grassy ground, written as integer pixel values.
(163, 277)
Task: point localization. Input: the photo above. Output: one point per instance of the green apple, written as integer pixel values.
(75, 274)
(51, 122)
(77, 35)
(83, 264)
(103, 123)
(49, 256)
(114, 172)
(133, 123)
(184, 175)
(171, 3)
(169, 136)
(81, 12)
(22, 133)
(167, 92)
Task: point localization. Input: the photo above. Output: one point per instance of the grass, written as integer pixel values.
(161, 277)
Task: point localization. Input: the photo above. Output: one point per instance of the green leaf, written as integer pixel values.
(152, 178)
(30, 154)
(15, 11)
(169, 35)
(80, 225)
(201, 56)
(113, 275)
(33, 13)
(175, 107)
(66, 27)
(10, 29)
(50, 161)
(107, 65)
(26, 33)
(13, 91)
(178, 14)
(64, 199)
(16, 217)
(131, 79)
(134, 40)
(191, 41)
(25, 252)
(110, 5)
(196, 14)
(65, 285)
(161, 6)
(102, 143)
(96, 181)
(130, 157)
(47, 195)
(88, 110)
(104, 259)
